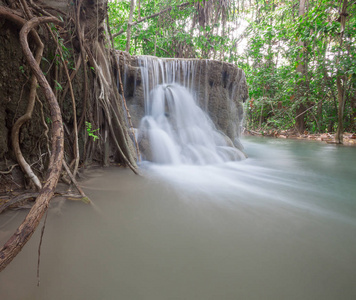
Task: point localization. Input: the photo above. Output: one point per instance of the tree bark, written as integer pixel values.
(341, 82)
(353, 115)
(121, 31)
(129, 25)
(14, 245)
(301, 69)
(23, 119)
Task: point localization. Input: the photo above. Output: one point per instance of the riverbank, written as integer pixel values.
(328, 138)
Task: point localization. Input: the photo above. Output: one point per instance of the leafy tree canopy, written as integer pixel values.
(299, 56)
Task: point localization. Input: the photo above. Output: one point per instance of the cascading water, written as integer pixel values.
(176, 128)
(280, 225)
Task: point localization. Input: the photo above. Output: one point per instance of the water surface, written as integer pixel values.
(279, 225)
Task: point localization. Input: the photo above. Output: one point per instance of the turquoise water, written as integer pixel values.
(278, 225)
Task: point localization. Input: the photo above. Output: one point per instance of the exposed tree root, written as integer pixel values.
(39, 249)
(27, 116)
(9, 171)
(14, 245)
(11, 16)
(110, 113)
(72, 177)
(45, 133)
(76, 143)
(18, 199)
(80, 33)
(127, 110)
(72, 75)
(105, 111)
(40, 10)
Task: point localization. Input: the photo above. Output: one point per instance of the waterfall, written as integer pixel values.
(174, 128)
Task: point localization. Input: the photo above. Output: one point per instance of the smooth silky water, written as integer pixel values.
(278, 225)
(203, 222)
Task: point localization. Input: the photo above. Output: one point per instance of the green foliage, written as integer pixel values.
(22, 69)
(66, 53)
(90, 131)
(279, 42)
(269, 41)
(178, 32)
(58, 86)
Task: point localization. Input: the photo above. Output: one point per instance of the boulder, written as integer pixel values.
(220, 88)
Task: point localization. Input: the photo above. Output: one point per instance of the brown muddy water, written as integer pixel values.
(279, 225)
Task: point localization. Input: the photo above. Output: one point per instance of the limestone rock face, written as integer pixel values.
(220, 88)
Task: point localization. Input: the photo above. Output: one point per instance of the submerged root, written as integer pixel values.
(28, 226)
(72, 177)
(106, 112)
(18, 200)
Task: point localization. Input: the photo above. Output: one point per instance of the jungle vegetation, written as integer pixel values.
(299, 56)
(60, 108)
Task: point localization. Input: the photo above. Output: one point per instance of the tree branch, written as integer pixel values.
(151, 16)
(129, 25)
(24, 232)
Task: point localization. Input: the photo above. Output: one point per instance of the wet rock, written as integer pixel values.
(220, 87)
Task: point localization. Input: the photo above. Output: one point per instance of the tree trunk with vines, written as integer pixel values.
(75, 34)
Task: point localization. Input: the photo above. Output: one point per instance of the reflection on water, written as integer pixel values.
(279, 225)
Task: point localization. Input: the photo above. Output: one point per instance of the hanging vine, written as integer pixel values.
(74, 35)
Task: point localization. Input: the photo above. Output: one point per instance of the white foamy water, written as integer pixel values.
(176, 128)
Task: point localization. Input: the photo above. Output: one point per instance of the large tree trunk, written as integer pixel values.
(129, 26)
(341, 81)
(353, 115)
(301, 69)
(81, 34)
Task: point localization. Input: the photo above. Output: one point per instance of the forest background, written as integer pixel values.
(298, 56)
